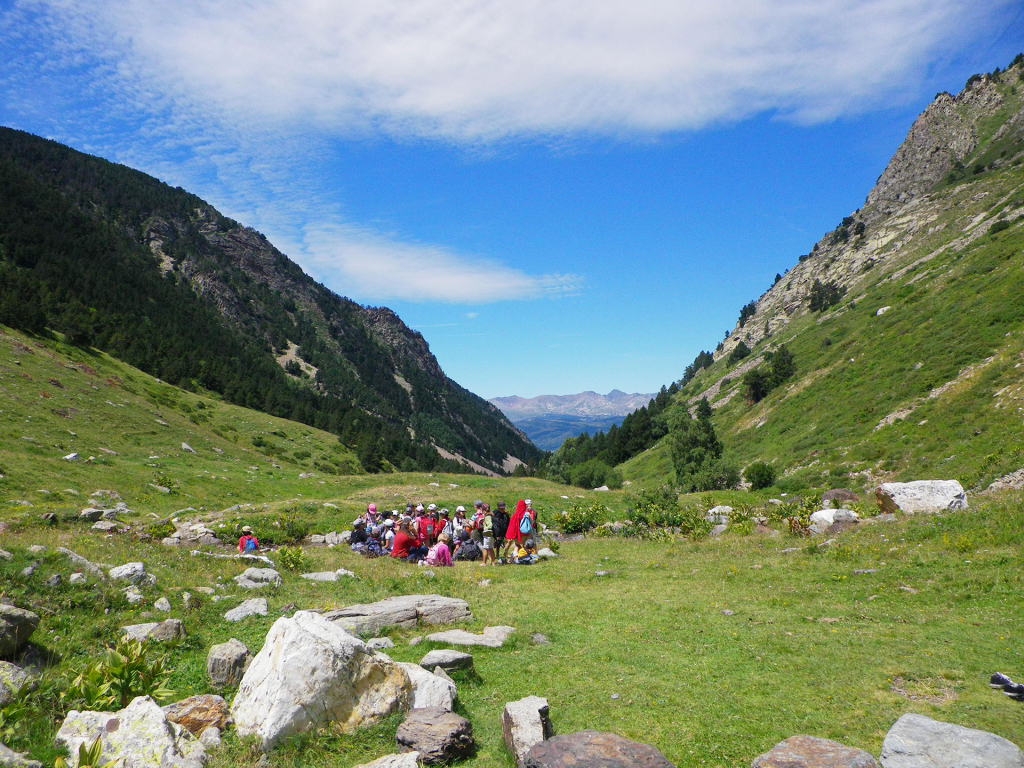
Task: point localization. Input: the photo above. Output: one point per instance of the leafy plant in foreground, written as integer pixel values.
(292, 558)
(88, 757)
(124, 672)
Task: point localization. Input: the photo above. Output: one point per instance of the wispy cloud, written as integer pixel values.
(381, 267)
(490, 69)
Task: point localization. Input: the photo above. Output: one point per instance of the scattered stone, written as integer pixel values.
(438, 735)
(826, 517)
(449, 661)
(718, 515)
(719, 529)
(403, 760)
(790, 550)
(881, 311)
(12, 678)
(5, 555)
(37, 549)
(77, 578)
(811, 752)
(256, 606)
(187, 448)
(92, 514)
(415, 641)
(160, 488)
(590, 749)
(134, 573)
(133, 596)
(138, 736)
(492, 637)
(539, 639)
(380, 643)
(108, 526)
(403, 611)
(916, 740)
(428, 689)
(911, 590)
(11, 759)
(163, 604)
(158, 632)
(71, 457)
(197, 713)
(921, 496)
(311, 672)
(603, 573)
(16, 627)
(54, 581)
(727, 612)
(328, 575)
(865, 571)
(31, 569)
(227, 662)
(484, 583)
(257, 578)
(210, 737)
(524, 724)
(886, 517)
(545, 552)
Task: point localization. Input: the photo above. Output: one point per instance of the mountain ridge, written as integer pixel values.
(588, 403)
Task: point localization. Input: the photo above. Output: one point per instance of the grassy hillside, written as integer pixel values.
(918, 370)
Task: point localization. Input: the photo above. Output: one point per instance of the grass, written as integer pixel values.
(810, 647)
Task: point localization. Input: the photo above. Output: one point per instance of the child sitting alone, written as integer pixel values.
(439, 554)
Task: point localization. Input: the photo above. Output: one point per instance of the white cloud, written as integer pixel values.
(379, 267)
(483, 70)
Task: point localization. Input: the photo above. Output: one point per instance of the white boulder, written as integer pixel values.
(921, 496)
(138, 736)
(916, 741)
(311, 672)
(428, 689)
(524, 724)
(257, 578)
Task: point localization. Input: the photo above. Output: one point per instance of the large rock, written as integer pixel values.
(403, 611)
(11, 759)
(227, 662)
(428, 689)
(826, 517)
(438, 735)
(524, 724)
(12, 679)
(139, 736)
(197, 713)
(921, 496)
(492, 637)
(311, 672)
(404, 760)
(811, 752)
(257, 578)
(328, 575)
(133, 573)
(916, 741)
(16, 627)
(449, 661)
(592, 749)
(256, 606)
(157, 631)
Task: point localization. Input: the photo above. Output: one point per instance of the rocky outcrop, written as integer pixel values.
(16, 627)
(256, 606)
(258, 578)
(428, 689)
(916, 741)
(449, 661)
(197, 713)
(158, 632)
(404, 611)
(492, 637)
(524, 724)
(811, 752)
(138, 736)
(921, 496)
(311, 672)
(592, 749)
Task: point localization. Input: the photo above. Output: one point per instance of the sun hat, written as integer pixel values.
(460, 508)
(371, 508)
(246, 529)
(478, 503)
(528, 502)
(394, 513)
(431, 507)
(419, 507)
(501, 505)
(358, 522)
(389, 523)
(444, 512)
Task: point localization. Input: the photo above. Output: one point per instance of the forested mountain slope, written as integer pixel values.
(903, 329)
(158, 278)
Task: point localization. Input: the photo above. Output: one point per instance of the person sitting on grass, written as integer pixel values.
(439, 554)
(406, 546)
(388, 537)
(247, 544)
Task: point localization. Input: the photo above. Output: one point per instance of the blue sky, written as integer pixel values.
(560, 196)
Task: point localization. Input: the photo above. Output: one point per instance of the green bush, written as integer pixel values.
(124, 672)
(291, 558)
(580, 518)
(760, 475)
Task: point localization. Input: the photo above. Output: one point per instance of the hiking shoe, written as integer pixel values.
(1014, 691)
(999, 680)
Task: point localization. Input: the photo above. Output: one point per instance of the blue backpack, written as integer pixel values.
(525, 525)
(250, 544)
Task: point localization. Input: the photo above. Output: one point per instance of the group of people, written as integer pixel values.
(434, 537)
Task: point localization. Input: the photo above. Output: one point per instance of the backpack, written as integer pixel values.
(468, 551)
(250, 544)
(525, 525)
(500, 524)
(487, 525)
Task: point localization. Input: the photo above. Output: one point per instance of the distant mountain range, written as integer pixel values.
(548, 420)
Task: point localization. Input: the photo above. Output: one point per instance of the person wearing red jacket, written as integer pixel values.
(247, 543)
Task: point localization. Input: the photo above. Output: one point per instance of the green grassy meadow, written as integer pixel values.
(810, 647)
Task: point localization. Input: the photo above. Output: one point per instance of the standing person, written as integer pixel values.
(475, 531)
(247, 544)
(515, 535)
(500, 527)
(529, 541)
(460, 519)
(487, 534)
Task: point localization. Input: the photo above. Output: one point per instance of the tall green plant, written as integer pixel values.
(124, 672)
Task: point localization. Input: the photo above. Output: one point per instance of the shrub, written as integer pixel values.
(999, 226)
(760, 475)
(580, 518)
(292, 558)
(697, 453)
(822, 296)
(739, 352)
